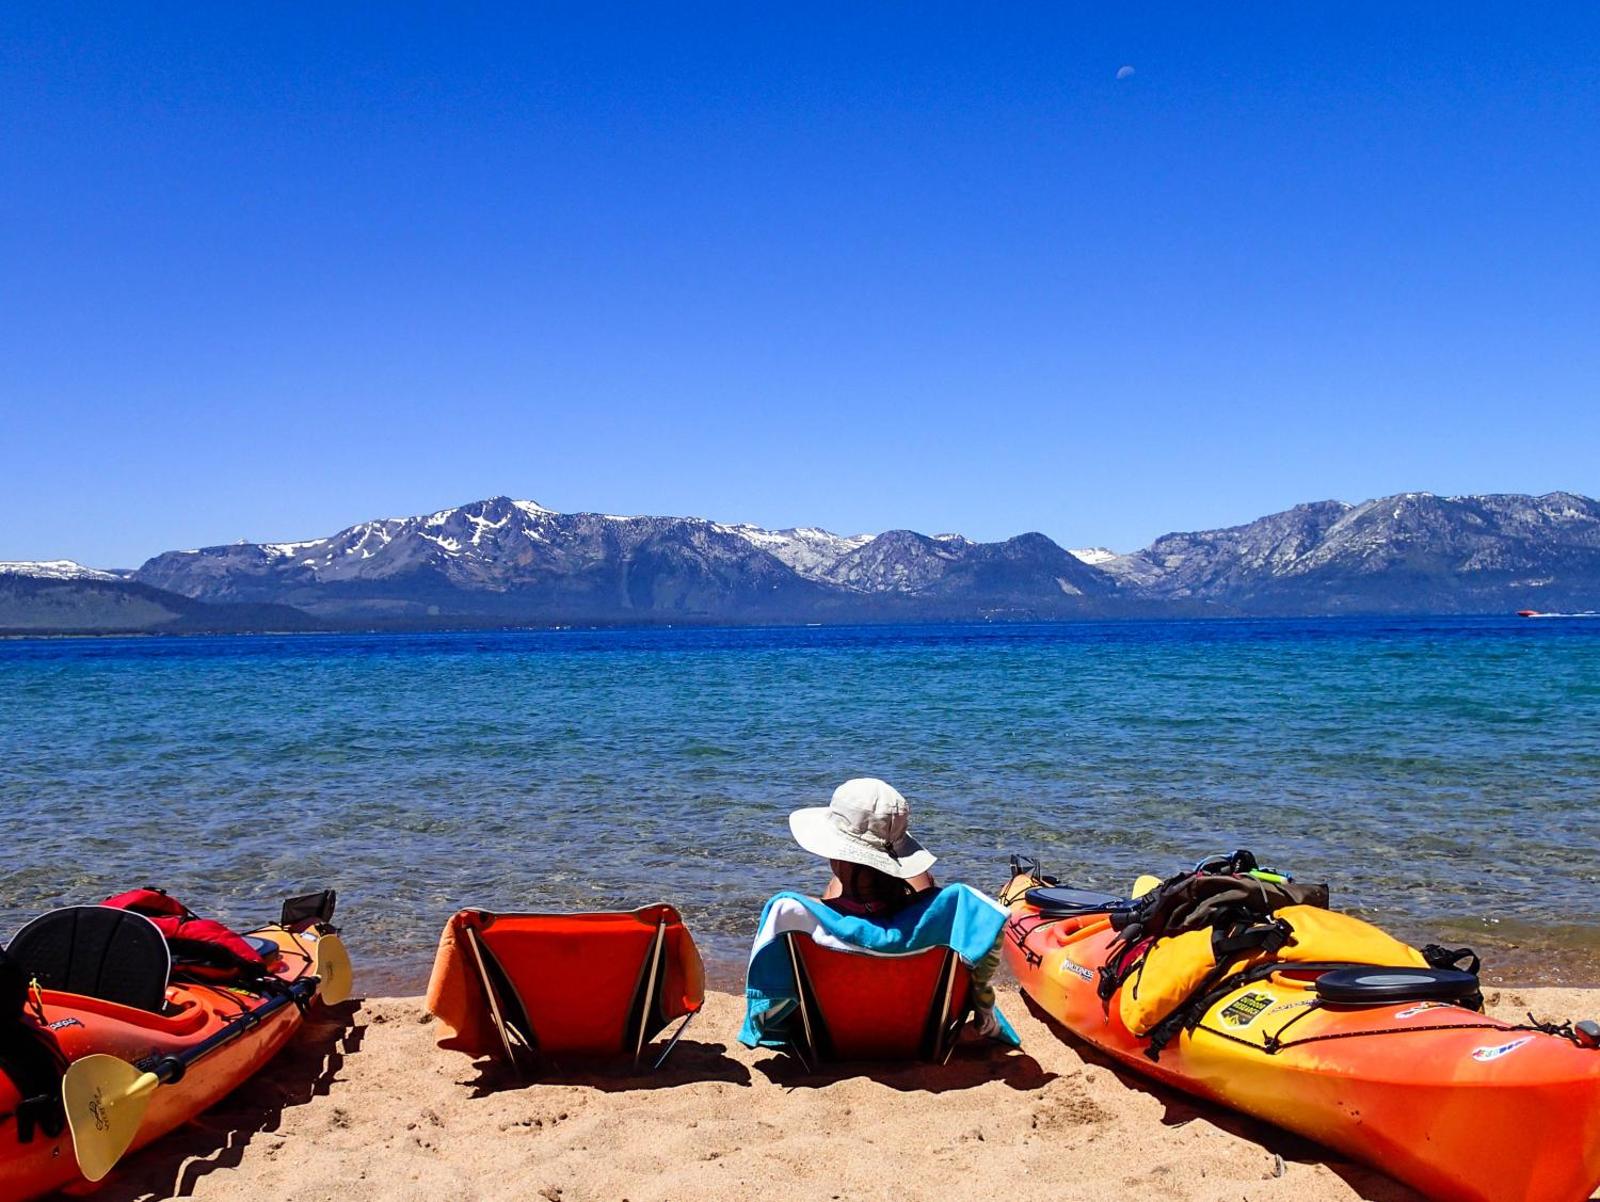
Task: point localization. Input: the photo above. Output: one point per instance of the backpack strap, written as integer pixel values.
(1218, 894)
(1269, 936)
(1221, 982)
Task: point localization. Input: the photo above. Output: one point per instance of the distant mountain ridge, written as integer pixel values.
(94, 602)
(508, 562)
(1412, 552)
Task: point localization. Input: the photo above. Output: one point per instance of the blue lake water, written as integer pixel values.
(1442, 774)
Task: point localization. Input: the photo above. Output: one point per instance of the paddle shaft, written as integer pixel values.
(170, 1069)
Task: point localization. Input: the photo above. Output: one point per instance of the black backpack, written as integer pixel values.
(1219, 895)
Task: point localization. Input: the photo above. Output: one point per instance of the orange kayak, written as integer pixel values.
(1450, 1101)
(242, 1029)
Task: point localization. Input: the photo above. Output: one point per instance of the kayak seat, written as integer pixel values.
(1060, 902)
(861, 1006)
(559, 986)
(1382, 986)
(95, 951)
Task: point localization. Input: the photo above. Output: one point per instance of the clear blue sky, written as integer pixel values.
(268, 271)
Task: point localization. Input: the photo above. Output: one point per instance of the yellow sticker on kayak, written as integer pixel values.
(1246, 1008)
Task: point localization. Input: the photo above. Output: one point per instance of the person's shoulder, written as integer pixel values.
(791, 908)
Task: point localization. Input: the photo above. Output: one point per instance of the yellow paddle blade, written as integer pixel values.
(1144, 884)
(332, 966)
(105, 1100)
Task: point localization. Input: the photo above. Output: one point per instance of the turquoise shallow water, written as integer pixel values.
(1442, 774)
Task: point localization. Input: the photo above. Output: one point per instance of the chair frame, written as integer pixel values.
(514, 1039)
(481, 957)
(942, 1030)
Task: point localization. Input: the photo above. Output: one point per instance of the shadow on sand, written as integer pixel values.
(691, 1061)
(173, 1165)
(1181, 1108)
(975, 1062)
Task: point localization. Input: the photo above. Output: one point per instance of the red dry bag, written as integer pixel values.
(202, 949)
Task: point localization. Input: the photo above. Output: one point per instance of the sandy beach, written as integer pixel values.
(364, 1106)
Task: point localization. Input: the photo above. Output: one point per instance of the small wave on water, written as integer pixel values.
(1440, 773)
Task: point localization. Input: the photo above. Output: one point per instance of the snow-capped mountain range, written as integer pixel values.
(503, 561)
(1411, 552)
(507, 558)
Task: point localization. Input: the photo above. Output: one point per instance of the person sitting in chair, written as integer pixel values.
(881, 897)
(864, 834)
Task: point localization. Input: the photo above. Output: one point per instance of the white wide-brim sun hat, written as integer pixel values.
(865, 824)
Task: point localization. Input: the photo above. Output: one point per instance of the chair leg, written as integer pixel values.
(799, 1053)
(944, 1032)
(673, 1042)
(647, 1002)
(810, 1054)
(954, 1036)
(502, 1028)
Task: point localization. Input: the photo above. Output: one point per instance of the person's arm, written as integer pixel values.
(920, 882)
(835, 889)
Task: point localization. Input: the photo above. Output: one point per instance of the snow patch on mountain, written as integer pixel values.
(286, 550)
(1093, 556)
(54, 569)
(809, 550)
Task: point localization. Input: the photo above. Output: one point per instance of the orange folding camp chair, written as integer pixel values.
(584, 985)
(870, 1006)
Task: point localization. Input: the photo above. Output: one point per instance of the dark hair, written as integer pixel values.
(864, 884)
